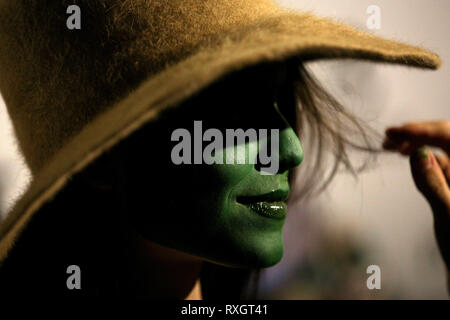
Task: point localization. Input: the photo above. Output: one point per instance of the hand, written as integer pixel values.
(431, 172)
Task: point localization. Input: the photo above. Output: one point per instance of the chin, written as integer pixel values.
(270, 258)
(259, 254)
(267, 250)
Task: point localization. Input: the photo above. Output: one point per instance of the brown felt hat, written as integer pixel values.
(73, 94)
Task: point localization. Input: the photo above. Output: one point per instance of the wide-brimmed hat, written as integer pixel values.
(72, 94)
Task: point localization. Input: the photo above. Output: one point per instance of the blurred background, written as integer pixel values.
(379, 219)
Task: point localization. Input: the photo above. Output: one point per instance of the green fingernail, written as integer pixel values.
(423, 153)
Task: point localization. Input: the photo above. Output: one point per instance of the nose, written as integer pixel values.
(290, 150)
(288, 155)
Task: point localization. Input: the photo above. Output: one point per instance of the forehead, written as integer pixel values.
(262, 79)
(245, 92)
(256, 82)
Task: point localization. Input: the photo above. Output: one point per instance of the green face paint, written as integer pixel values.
(228, 213)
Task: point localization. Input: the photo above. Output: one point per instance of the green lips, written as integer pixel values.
(271, 204)
(276, 210)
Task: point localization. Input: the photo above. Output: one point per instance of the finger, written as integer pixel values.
(408, 147)
(435, 133)
(444, 163)
(430, 180)
(432, 128)
(392, 145)
(404, 147)
(389, 144)
(441, 209)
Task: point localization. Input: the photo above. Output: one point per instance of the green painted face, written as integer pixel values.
(230, 214)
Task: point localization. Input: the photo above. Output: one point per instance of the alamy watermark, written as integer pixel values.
(374, 280)
(73, 281)
(237, 147)
(374, 19)
(74, 20)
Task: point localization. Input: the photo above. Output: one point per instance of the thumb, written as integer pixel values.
(431, 182)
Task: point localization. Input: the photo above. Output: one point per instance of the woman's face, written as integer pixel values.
(230, 213)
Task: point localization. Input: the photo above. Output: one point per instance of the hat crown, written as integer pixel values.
(55, 80)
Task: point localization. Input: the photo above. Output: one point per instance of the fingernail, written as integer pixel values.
(424, 157)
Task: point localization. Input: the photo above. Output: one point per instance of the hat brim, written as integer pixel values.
(275, 38)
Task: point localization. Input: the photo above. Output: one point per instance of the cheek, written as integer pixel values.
(211, 189)
(226, 176)
(238, 163)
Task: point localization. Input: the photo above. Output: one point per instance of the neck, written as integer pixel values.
(155, 271)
